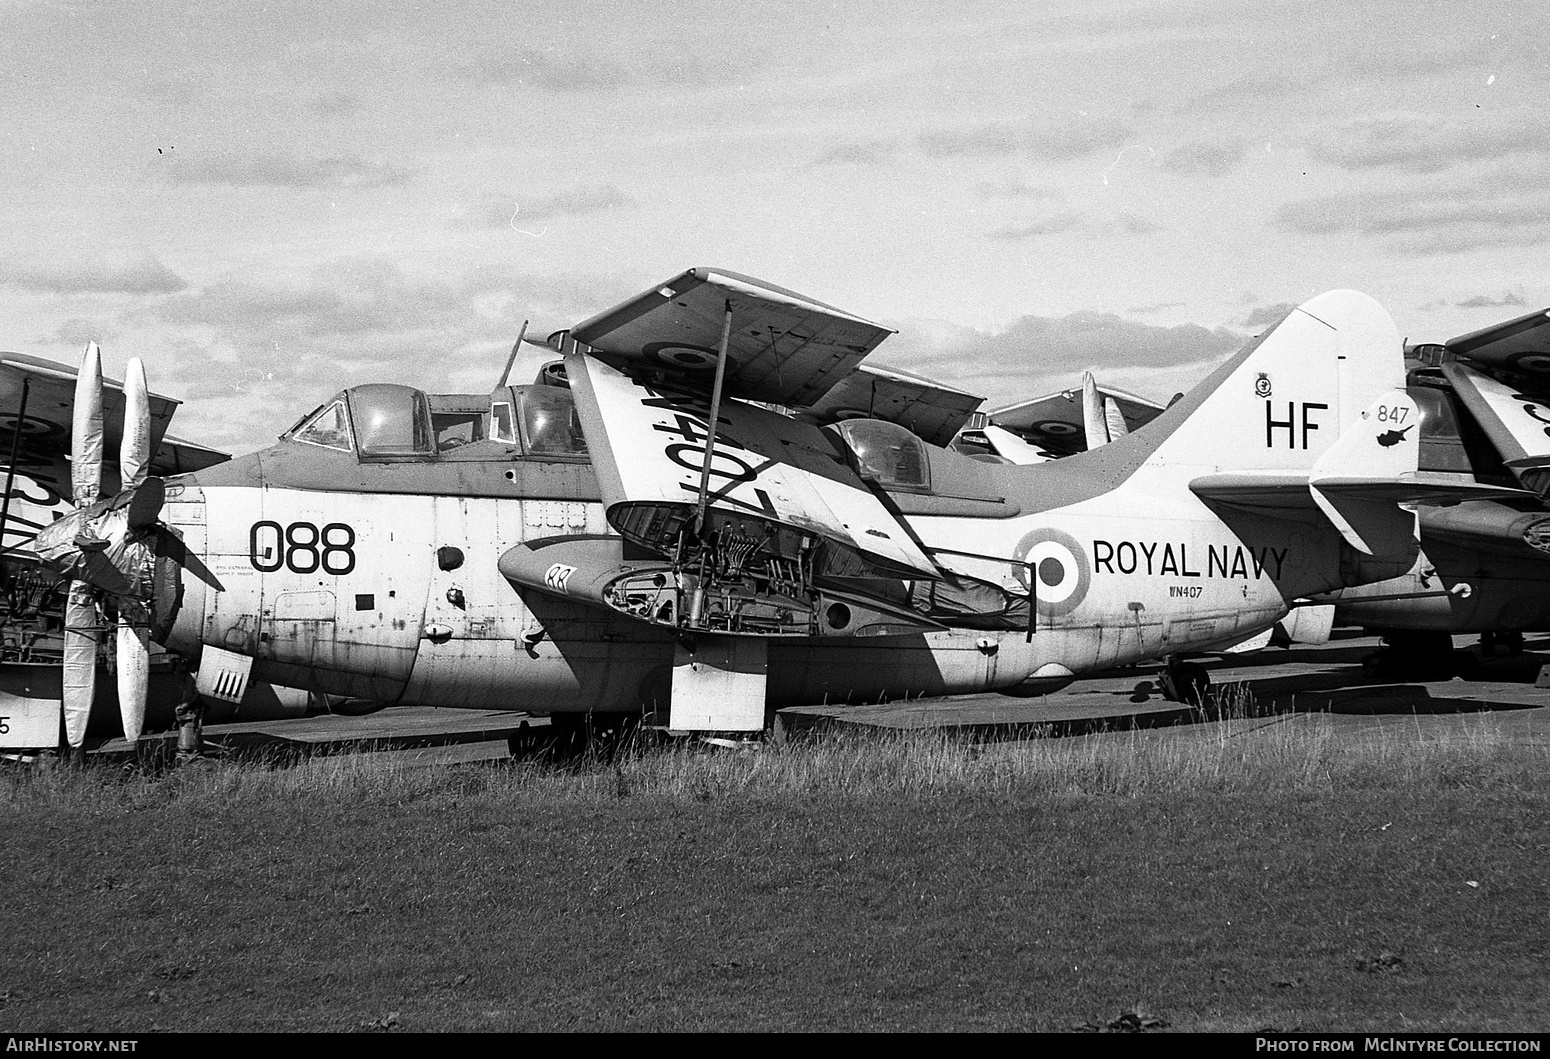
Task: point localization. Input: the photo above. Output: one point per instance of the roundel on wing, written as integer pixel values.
(1534, 362)
(1055, 428)
(690, 358)
(1060, 569)
(30, 426)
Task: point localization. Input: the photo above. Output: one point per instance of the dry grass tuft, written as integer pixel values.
(1289, 753)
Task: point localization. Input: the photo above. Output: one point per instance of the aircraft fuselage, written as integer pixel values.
(380, 581)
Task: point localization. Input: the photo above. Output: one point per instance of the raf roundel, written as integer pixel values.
(1060, 570)
(1533, 362)
(693, 358)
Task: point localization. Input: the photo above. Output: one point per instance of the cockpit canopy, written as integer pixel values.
(380, 420)
(389, 422)
(888, 454)
(550, 425)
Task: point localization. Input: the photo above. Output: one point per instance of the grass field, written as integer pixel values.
(1239, 876)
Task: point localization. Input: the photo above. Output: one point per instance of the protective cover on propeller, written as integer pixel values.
(107, 550)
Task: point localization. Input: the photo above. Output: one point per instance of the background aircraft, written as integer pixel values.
(676, 530)
(1485, 567)
(1484, 402)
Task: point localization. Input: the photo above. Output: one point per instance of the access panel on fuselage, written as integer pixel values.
(488, 646)
(325, 581)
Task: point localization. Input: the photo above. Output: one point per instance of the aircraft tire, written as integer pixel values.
(1186, 682)
(601, 734)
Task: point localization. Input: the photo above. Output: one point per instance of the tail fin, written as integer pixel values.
(1285, 398)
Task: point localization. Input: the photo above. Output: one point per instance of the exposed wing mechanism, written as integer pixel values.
(593, 570)
(786, 520)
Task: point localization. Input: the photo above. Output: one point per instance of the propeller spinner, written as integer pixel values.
(107, 549)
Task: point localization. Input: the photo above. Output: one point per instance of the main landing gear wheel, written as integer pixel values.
(1412, 655)
(1186, 682)
(572, 734)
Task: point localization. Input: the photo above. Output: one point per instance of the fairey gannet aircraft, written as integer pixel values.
(661, 535)
(1485, 417)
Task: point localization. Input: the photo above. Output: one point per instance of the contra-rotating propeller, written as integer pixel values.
(106, 548)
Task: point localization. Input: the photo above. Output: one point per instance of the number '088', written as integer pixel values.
(302, 548)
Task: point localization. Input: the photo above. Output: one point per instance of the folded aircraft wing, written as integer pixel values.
(928, 409)
(176, 456)
(1514, 420)
(1521, 345)
(1056, 421)
(50, 397)
(784, 348)
(648, 445)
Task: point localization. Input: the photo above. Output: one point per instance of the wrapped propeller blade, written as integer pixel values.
(133, 651)
(107, 546)
(134, 454)
(133, 647)
(86, 430)
(80, 661)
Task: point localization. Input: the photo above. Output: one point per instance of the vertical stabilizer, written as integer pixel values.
(1281, 402)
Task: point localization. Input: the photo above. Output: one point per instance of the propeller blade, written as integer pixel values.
(1115, 419)
(134, 667)
(86, 429)
(134, 454)
(80, 662)
(1093, 423)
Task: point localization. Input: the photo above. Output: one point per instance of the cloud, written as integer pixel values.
(1044, 138)
(661, 64)
(1017, 189)
(1075, 222)
(76, 332)
(1203, 158)
(1419, 143)
(1236, 95)
(1037, 354)
(283, 171)
(351, 298)
(872, 152)
(1481, 301)
(330, 104)
(252, 352)
(499, 210)
(1436, 220)
(1267, 316)
(146, 276)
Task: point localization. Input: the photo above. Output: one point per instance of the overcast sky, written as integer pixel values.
(270, 201)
